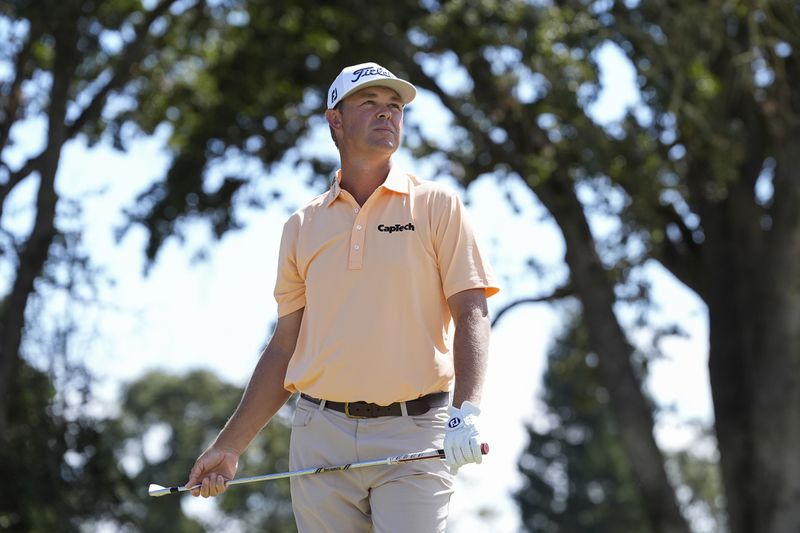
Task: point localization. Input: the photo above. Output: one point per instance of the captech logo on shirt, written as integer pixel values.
(396, 227)
(370, 71)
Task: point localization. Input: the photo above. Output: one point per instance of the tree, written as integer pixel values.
(577, 477)
(67, 60)
(716, 198)
(68, 66)
(62, 462)
(62, 469)
(165, 423)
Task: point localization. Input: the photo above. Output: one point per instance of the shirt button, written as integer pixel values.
(355, 210)
(359, 226)
(356, 247)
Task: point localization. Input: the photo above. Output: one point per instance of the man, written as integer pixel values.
(371, 275)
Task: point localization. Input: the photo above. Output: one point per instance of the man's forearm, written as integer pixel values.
(262, 398)
(470, 355)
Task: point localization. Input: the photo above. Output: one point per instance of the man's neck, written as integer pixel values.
(361, 177)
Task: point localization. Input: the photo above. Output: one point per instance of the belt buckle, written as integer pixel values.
(347, 411)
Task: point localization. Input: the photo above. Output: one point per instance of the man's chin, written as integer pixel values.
(385, 144)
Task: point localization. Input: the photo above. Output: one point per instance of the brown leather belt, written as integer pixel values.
(372, 410)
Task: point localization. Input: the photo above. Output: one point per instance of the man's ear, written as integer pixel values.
(334, 118)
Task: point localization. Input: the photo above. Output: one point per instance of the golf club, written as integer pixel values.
(158, 490)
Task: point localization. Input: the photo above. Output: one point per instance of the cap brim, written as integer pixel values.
(406, 90)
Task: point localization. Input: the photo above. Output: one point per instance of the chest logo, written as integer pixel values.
(395, 227)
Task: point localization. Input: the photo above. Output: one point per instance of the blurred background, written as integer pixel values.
(630, 166)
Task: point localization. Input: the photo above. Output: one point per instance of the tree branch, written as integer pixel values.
(10, 114)
(565, 291)
(682, 258)
(35, 250)
(10, 111)
(14, 178)
(453, 105)
(121, 75)
(122, 71)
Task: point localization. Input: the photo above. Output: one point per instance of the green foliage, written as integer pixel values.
(577, 475)
(165, 422)
(700, 483)
(70, 472)
(61, 470)
(250, 90)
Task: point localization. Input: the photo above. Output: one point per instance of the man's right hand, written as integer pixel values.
(212, 470)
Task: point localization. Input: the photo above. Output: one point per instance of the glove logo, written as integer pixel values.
(454, 422)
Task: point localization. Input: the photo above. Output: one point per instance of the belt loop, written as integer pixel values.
(322, 404)
(403, 409)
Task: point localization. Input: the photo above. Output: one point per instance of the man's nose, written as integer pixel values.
(384, 112)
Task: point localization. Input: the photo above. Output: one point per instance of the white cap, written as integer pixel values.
(363, 75)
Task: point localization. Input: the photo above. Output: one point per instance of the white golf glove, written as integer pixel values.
(462, 443)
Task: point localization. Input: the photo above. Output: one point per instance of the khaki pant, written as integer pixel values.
(411, 497)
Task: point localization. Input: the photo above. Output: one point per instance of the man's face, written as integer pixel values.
(372, 119)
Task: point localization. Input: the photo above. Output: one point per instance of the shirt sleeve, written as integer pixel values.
(290, 286)
(462, 265)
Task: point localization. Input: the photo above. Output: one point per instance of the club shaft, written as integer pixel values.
(409, 457)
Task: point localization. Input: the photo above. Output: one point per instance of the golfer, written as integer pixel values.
(383, 330)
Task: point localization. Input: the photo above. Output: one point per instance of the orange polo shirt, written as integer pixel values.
(374, 281)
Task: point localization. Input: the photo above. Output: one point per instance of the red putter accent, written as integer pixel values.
(484, 448)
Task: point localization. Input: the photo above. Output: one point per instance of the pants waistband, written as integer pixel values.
(416, 407)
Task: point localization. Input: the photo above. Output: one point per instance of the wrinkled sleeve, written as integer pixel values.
(290, 286)
(462, 264)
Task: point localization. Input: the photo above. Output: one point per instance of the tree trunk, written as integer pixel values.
(64, 27)
(730, 343)
(36, 248)
(753, 277)
(31, 263)
(631, 409)
(754, 359)
(777, 400)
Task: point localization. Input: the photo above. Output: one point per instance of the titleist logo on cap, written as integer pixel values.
(371, 71)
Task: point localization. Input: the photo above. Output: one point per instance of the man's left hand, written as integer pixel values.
(462, 442)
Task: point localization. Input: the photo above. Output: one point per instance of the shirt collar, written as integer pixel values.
(396, 181)
(333, 192)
